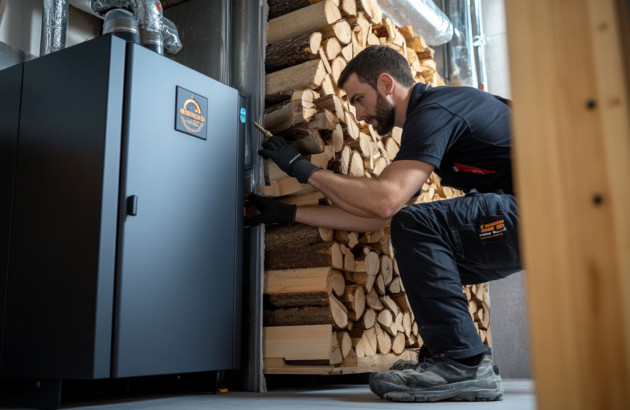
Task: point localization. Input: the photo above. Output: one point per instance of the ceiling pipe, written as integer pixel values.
(170, 36)
(54, 24)
(423, 15)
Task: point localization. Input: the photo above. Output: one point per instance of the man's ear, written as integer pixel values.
(385, 83)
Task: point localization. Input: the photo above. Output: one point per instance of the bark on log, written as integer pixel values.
(281, 7)
(307, 141)
(292, 51)
(291, 236)
(305, 315)
(306, 75)
(305, 20)
(284, 116)
(318, 255)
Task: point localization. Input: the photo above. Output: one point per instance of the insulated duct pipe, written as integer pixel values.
(479, 45)
(54, 24)
(423, 15)
(466, 51)
(170, 34)
(149, 16)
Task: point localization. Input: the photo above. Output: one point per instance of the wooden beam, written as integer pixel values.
(571, 127)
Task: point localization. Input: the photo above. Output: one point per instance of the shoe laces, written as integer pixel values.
(429, 362)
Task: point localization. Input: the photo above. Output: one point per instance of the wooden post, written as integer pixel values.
(572, 131)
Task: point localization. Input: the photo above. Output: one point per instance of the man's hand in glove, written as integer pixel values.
(287, 158)
(261, 210)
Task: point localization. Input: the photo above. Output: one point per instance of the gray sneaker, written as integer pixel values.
(440, 378)
(423, 354)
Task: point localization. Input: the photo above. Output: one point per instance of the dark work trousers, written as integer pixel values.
(442, 245)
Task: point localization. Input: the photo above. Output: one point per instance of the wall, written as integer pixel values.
(20, 27)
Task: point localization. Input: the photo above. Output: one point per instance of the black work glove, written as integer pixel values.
(287, 158)
(269, 211)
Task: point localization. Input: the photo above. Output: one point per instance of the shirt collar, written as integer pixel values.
(416, 96)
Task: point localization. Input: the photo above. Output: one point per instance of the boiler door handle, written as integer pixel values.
(132, 205)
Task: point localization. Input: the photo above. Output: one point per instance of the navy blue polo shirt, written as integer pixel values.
(464, 132)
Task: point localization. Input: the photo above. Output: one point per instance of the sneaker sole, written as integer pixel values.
(470, 390)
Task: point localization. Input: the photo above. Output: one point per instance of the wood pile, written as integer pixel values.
(334, 300)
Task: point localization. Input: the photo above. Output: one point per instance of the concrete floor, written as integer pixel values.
(519, 395)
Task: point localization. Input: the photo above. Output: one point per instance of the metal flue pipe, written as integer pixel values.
(54, 24)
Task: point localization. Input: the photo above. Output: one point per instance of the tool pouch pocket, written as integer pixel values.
(492, 243)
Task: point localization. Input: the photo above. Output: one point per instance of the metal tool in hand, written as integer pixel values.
(265, 132)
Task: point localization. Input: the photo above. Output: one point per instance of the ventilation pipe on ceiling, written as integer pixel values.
(423, 15)
(54, 23)
(156, 31)
(149, 16)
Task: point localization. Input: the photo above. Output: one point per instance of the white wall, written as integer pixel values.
(21, 26)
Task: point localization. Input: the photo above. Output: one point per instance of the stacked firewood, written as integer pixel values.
(334, 300)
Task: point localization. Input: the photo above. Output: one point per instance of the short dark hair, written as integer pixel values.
(375, 60)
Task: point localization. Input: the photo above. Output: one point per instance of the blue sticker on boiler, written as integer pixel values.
(243, 115)
(191, 113)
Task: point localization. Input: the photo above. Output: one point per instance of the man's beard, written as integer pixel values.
(384, 115)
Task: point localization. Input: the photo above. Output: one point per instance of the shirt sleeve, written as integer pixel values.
(428, 133)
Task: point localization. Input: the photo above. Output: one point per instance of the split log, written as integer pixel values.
(287, 115)
(325, 120)
(302, 76)
(311, 342)
(387, 269)
(306, 141)
(337, 138)
(300, 287)
(304, 20)
(278, 8)
(348, 8)
(345, 343)
(334, 313)
(293, 236)
(325, 254)
(337, 65)
(292, 51)
(331, 47)
(390, 304)
(340, 30)
(356, 165)
(367, 320)
(365, 342)
(371, 9)
(350, 239)
(361, 278)
(333, 104)
(369, 263)
(373, 301)
(396, 286)
(384, 342)
(402, 301)
(398, 343)
(379, 285)
(407, 324)
(354, 299)
(386, 320)
(322, 159)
